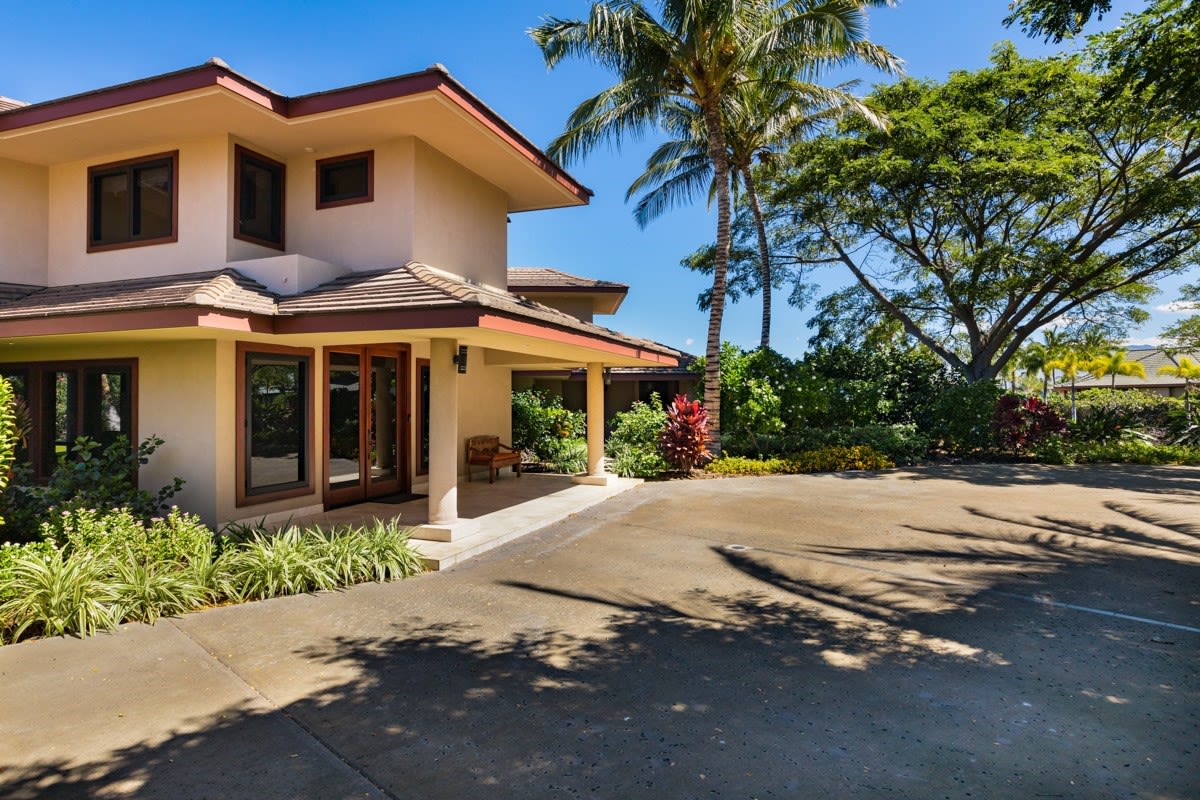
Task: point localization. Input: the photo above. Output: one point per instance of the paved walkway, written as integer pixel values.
(964, 631)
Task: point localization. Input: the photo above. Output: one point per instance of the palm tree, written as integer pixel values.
(1188, 370)
(1070, 364)
(759, 116)
(1114, 364)
(1036, 357)
(697, 52)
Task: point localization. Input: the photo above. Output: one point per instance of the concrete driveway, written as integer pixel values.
(985, 632)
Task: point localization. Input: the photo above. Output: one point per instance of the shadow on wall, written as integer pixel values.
(825, 682)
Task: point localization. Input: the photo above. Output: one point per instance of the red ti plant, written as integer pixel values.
(684, 440)
(1023, 422)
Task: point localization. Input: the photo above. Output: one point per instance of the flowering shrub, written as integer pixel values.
(1024, 422)
(684, 440)
(632, 447)
(826, 459)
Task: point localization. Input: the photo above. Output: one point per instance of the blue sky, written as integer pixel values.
(53, 49)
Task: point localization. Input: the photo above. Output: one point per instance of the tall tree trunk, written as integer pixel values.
(712, 355)
(764, 259)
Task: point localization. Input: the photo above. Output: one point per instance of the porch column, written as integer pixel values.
(595, 418)
(443, 432)
(595, 429)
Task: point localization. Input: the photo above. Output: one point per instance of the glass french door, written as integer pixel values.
(366, 423)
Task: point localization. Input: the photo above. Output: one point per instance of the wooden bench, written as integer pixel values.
(489, 451)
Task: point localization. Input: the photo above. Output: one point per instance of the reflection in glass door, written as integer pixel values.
(344, 440)
(365, 423)
(382, 435)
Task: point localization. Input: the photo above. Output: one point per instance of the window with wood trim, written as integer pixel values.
(133, 203)
(345, 180)
(67, 400)
(258, 189)
(275, 440)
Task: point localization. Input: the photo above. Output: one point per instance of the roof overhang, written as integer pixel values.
(212, 99)
(603, 299)
(510, 341)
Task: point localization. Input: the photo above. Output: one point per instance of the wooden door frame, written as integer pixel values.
(363, 491)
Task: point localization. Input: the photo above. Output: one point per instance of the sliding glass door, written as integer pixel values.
(365, 423)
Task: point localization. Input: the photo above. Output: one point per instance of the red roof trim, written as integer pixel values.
(211, 74)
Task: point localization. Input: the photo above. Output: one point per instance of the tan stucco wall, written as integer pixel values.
(460, 221)
(24, 222)
(361, 236)
(484, 405)
(175, 401)
(203, 219)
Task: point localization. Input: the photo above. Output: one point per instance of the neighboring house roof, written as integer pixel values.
(410, 288)
(1151, 360)
(218, 98)
(544, 279)
(604, 296)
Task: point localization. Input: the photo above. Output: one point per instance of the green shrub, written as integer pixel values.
(827, 459)
(1106, 415)
(178, 538)
(144, 591)
(960, 419)
(903, 444)
(292, 561)
(387, 552)
(632, 447)
(1135, 452)
(540, 422)
(564, 455)
(57, 594)
(90, 476)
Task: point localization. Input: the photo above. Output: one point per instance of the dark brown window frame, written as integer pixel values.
(369, 156)
(34, 400)
(129, 163)
(240, 152)
(244, 497)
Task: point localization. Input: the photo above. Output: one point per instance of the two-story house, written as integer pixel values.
(306, 297)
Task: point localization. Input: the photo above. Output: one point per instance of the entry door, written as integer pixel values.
(365, 423)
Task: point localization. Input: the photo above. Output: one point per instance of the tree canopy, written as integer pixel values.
(1029, 193)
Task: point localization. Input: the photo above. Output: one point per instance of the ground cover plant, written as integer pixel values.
(826, 459)
(94, 569)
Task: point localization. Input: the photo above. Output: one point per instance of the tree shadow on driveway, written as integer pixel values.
(838, 672)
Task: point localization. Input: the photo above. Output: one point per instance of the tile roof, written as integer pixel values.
(411, 287)
(1151, 360)
(15, 291)
(8, 104)
(543, 278)
(225, 289)
(418, 286)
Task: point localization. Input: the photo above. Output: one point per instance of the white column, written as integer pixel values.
(595, 419)
(443, 432)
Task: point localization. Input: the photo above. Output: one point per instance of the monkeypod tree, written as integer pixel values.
(1030, 193)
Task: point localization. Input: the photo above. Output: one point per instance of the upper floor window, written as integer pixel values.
(258, 198)
(344, 180)
(134, 202)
